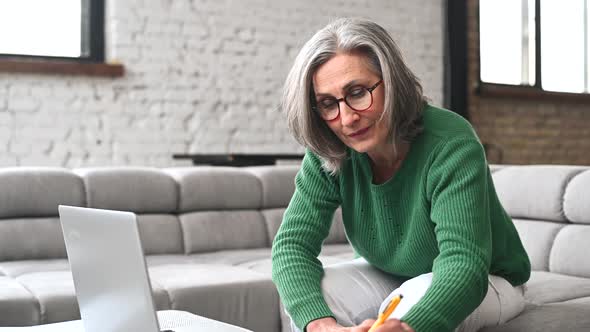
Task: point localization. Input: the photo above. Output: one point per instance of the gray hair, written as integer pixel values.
(404, 100)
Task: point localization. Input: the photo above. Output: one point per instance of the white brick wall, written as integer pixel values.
(202, 76)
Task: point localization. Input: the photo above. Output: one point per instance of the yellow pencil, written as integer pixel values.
(385, 314)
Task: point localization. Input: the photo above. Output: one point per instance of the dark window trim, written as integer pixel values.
(456, 58)
(95, 10)
(538, 77)
(532, 92)
(92, 32)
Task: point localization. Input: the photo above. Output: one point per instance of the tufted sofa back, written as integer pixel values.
(180, 210)
(550, 206)
(29, 226)
(203, 209)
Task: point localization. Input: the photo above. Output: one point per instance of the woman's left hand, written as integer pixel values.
(394, 325)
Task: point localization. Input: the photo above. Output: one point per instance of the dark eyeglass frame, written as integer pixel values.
(343, 99)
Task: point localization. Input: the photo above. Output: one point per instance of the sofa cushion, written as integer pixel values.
(248, 259)
(216, 188)
(343, 251)
(554, 317)
(231, 257)
(31, 238)
(337, 233)
(537, 238)
(514, 185)
(331, 254)
(155, 260)
(223, 230)
(575, 200)
(135, 189)
(547, 287)
(160, 295)
(278, 184)
(253, 259)
(274, 217)
(42, 297)
(160, 234)
(29, 228)
(234, 295)
(582, 301)
(37, 191)
(54, 290)
(264, 266)
(17, 268)
(17, 305)
(569, 254)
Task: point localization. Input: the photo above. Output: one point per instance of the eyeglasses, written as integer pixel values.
(358, 98)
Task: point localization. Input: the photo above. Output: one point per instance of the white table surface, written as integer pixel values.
(179, 321)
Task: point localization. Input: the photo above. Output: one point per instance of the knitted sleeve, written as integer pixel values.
(456, 187)
(296, 271)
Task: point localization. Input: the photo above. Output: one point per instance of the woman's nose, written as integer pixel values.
(347, 115)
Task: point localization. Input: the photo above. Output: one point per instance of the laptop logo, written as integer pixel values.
(74, 236)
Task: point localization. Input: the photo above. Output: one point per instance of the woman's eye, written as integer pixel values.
(327, 103)
(357, 92)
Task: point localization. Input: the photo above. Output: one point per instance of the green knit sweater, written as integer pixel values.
(439, 213)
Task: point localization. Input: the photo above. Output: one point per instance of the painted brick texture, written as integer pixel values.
(201, 77)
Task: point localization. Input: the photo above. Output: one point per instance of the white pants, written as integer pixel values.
(355, 291)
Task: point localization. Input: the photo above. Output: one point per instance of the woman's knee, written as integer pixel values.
(501, 303)
(354, 290)
(511, 298)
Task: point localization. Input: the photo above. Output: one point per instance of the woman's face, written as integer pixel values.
(361, 131)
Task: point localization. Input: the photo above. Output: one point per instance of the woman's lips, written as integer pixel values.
(360, 132)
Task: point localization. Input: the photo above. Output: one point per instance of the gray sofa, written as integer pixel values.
(207, 232)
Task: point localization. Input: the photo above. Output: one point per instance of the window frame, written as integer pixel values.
(526, 91)
(92, 64)
(95, 10)
(92, 37)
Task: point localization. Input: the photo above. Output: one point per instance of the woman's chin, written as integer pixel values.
(360, 147)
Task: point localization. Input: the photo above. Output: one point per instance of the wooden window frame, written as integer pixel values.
(90, 64)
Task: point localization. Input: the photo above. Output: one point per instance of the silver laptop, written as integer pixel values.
(110, 276)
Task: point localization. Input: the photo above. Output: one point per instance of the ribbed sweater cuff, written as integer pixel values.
(310, 312)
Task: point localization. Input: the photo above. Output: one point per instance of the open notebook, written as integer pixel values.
(412, 290)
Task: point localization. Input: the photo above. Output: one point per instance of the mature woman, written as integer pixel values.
(416, 194)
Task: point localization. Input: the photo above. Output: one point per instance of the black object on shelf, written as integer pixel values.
(237, 159)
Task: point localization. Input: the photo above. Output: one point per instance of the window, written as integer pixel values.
(538, 43)
(60, 29)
